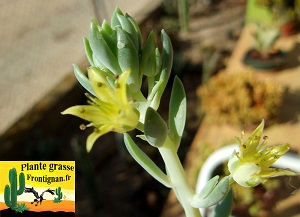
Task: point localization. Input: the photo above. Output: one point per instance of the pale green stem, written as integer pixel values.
(180, 185)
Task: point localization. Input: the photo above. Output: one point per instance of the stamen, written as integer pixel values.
(99, 84)
(117, 77)
(91, 98)
(82, 127)
(117, 85)
(82, 110)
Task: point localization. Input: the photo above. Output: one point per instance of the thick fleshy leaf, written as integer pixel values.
(163, 77)
(177, 111)
(145, 161)
(157, 61)
(101, 51)
(138, 31)
(129, 29)
(209, 187)
(128, 60)
(114, 19)
(223, 209)
(88, 51)
(148, 62)
(215, 196)
(110, 37)
(107, 28)
(155, 128)
(167, 52)
(83, 80)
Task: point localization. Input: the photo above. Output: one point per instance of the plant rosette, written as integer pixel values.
(274, 60)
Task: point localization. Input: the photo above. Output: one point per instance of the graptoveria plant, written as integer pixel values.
(119, 63)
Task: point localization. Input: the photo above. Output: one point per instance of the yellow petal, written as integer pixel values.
(103, 90)
(268, 156)
(252, 143)
(87, 112)
(121, 87)
(95, 135)
(274, 172)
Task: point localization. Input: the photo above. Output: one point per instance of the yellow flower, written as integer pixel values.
(110, 110)
(251, 166)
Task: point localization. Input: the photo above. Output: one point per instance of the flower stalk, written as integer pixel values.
(182, 189)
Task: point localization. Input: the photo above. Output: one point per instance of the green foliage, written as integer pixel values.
(223, 209)
(240, 99)
(11, 192)
(155, 128)
(21, 208)
(59, 195)
(177, 111)
(282, 10)
(212, 193)
(145, 161)
(265, 38)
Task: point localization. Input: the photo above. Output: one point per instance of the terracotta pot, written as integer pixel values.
(289, 28)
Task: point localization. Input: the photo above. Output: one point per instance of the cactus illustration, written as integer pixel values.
(59, 195)
(11, 192)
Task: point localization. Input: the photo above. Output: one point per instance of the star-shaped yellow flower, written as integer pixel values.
(251, 165)
(110, 110)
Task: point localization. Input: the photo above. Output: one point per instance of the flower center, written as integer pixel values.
(243, 175)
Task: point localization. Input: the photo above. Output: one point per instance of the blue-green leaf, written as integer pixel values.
(223, 209)
(167, 52)
(114, 19)
(157, 61)
(215, 196)
(177, 111)
(138, 31)
(148, 62)
(155, 128)
(209, 187)
(163, 77)
(101, 51)
(83, 80)
(110, 37)
(145, 161)
(88, 51)
(128, 60)
(129, 29)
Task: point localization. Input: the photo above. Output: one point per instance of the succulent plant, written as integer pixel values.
(240, 99)
(21, 208)
(265, 38)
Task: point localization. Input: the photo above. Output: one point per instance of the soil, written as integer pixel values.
(108, 181)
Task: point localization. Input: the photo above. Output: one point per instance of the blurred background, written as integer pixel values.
(217, 46)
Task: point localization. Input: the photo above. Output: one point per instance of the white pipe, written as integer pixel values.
(288, 160)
